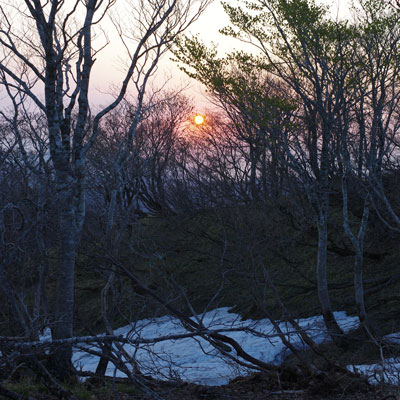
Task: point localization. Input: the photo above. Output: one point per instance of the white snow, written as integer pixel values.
(46, 334)
(393, 338)
(195, 360)
(388, 370)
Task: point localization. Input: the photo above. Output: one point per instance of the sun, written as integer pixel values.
(198, 119)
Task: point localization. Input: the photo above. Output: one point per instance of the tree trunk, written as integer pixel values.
(253, 175)
(333, 328)
(359, 289)
(107, 294)
(358, 244)
(61, 359)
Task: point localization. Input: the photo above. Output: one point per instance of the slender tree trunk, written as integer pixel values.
(359, 288)
(41, 306)
(358, 245)
(107, 294)
(322, 282)
(264, 175)
(253, 175)
(108, 311)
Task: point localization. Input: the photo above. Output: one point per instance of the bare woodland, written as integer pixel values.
(304, 132)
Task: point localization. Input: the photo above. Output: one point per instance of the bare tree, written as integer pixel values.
(310, 54)
(368, 140)
(51, 49)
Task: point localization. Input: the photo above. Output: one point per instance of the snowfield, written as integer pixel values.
(195, 360)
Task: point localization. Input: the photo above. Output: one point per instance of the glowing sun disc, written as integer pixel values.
(199, 119)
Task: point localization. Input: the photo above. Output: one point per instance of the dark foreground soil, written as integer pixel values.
(286, 384)
(255, 387)
(259, 387)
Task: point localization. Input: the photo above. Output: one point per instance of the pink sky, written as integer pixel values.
(108, 68)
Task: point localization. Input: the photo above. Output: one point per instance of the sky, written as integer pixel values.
(108, 68)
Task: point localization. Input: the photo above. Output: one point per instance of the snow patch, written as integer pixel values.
(195, 360)
(389, 372)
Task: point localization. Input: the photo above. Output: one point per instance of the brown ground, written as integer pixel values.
(287, 385)
(262, 387)
(259, 387)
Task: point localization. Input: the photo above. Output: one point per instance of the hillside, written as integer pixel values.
(216, 258)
